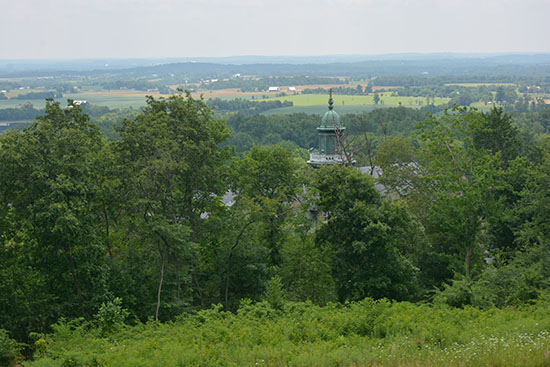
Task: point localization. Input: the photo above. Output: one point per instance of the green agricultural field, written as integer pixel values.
(109, 100)
(482, 106)
(320, 110)
(13, 103)
(347, 100)
(341, 102)
(96, 99)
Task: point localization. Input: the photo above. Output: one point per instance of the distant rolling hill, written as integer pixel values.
(518, 65)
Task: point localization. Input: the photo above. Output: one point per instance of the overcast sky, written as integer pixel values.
(191, 28)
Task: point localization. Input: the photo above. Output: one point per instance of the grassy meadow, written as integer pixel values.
(320, 110)
(366, 333)
(350, 100)
(111, 100)
(136, 99)
(14, 103)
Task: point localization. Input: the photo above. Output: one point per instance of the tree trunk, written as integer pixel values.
(107, 242)
(160, 288)
(228, 267)
(467, 262)
(76, 280)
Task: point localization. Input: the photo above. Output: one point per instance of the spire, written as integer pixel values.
(330, 101)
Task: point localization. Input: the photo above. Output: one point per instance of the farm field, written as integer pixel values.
(13, 103)
(111, 100)
(343, 103)
(347, 100)
(320, 110)
(133, 98)
(482, 106)
(136, 99)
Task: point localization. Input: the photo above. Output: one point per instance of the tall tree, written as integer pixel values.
(264, 183)
(51, 176)
(368, 236)
(454, 190)
(535, 200)
(496, 132)
(173, 168)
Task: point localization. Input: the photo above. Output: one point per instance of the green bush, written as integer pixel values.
(10, 350)
(275, 293)
(368, 332)
(111, 315)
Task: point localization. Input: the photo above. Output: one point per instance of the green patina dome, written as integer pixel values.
(331, 118)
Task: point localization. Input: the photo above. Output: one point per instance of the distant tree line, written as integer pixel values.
(353, 91)
(38, 95)
(245, 106)
(141, 85)
(27, 112)
(534, 117)
(444, 91)
(535, 87)
(419, 80)
(298, 130)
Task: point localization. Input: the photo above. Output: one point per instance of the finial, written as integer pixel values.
(330, 101)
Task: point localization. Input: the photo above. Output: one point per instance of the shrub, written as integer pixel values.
(111, 315)
(274, 293)
(10, 350)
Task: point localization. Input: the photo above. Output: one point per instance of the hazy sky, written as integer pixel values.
(191, 28)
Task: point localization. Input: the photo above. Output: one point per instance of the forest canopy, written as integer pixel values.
(167, 218)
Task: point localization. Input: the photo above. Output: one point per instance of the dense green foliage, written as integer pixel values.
(296, 129)
(18, 114)
(167, 219)
(9, 349)
(301, 334)
(38, 95)
(368, 238)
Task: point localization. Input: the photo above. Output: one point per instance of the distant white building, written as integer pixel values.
(80, 103)
(273, 89)
(292, 89)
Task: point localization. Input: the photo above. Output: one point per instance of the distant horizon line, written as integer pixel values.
(442, 53)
